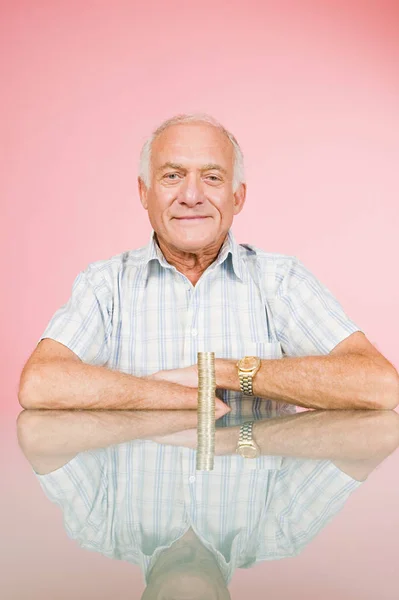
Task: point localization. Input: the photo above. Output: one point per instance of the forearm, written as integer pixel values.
(72, 384)
(333, 382)
(345, 435)
(55, 432)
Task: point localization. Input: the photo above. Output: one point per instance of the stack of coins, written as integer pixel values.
(206, 411)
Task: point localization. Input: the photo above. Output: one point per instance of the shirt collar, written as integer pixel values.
(229, 246)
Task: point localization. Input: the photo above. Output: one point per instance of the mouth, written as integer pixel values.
(190, 218)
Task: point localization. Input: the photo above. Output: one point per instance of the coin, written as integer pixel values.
(206, 411)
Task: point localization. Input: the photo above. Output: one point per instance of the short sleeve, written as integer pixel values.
(309, 320)
(79, 488)
(84, 323)
(306, 497)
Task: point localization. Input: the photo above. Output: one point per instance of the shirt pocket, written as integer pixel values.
(239, 348)
(235, 464)
(270, 350)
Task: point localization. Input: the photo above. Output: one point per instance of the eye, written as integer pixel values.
(213, 177)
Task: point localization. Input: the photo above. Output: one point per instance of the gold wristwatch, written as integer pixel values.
(247, 369)
(246, 446)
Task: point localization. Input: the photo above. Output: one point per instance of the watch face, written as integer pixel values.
(248, 452)
(249, 362)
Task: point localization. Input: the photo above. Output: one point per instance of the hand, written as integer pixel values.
(187, 376)
(225, 439)
(187, 438)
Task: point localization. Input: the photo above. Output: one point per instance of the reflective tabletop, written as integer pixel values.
(110, 504)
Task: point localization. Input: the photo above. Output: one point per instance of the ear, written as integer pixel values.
(239, 198)
(143, 192)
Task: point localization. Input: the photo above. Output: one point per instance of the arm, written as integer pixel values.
(355, 441)
(68, 367)
(54, 377)
(51, 438)
(330, 362)
(353, 375)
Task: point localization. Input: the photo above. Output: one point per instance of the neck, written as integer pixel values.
(186, 551)
(190, 264)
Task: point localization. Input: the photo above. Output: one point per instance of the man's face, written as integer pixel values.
(181, 577)
(190, 200)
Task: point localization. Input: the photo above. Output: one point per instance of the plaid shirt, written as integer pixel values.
(137, 314)
(133, 500)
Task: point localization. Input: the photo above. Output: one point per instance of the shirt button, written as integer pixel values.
(191, 479)
(194, 332)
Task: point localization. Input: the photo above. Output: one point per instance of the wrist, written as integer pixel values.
(226, 439)
(227, 374)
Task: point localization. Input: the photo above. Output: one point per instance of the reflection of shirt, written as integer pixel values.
(137, 314)
(132, 501)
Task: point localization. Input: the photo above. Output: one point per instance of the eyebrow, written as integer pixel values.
(179, 167)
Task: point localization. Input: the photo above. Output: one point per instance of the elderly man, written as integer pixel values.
(129, 335)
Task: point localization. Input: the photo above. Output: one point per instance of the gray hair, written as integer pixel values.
(145, 155)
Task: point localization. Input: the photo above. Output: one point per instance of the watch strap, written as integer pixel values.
(245, 435)
(246, 384)
(246, 441)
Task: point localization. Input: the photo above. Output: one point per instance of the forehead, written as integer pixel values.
(193, 143)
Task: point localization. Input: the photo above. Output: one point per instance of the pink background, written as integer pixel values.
(310, 89)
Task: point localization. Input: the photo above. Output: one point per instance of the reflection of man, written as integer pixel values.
(186, 570)
(193, 288)
(189, 530)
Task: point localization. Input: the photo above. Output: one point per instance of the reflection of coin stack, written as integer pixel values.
(206, 411)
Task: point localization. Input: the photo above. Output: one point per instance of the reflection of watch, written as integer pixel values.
(247, 369)
(246, 446)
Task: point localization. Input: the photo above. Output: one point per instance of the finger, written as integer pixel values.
(221, 408)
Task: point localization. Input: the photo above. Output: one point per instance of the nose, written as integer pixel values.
(190, 193)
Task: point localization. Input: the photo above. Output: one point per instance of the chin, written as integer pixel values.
(194, 241)
(194, 246)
